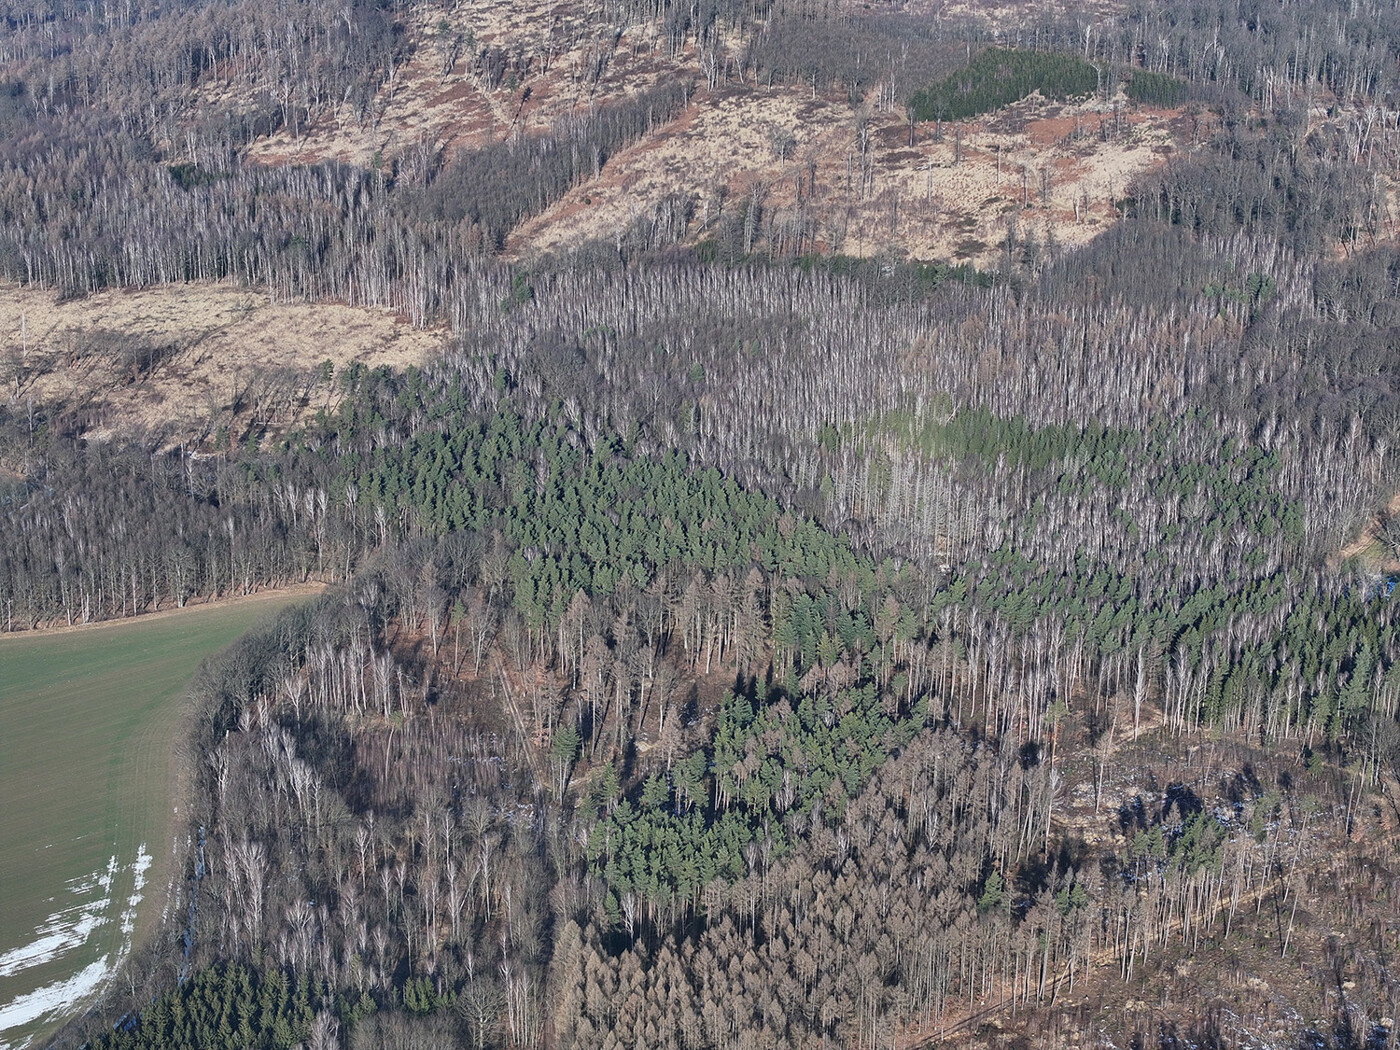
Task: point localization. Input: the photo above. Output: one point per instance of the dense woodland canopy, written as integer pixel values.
(733, 646)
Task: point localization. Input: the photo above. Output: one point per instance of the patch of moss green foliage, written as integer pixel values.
(1156, 89)
(998, 77)
(236, 1007)
(591, 519)
(1146, 594)
(764, 761)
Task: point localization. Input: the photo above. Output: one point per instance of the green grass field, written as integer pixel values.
(87, 728)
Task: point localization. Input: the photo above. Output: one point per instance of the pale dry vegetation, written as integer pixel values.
(1054, 169)
(1006, 16)
(481, 73)
(841, 170)
(191, 362)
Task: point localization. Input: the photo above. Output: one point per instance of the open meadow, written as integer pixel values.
(87, 728)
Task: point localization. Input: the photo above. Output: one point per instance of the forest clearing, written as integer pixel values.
(88, 719)
(192, 362)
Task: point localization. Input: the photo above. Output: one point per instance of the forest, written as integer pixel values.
(729, 642)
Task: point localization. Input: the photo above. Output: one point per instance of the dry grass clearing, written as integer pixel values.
(1011, 17)
(854, 174)
(190, 362)
(1057, 169)
(438, 102)
(1370, 550)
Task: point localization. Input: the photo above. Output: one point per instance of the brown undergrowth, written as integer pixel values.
(199, 364)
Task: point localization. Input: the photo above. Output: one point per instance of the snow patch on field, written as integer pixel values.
(52, 998)
(139, 869)
(67, 932)
(66, 929)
